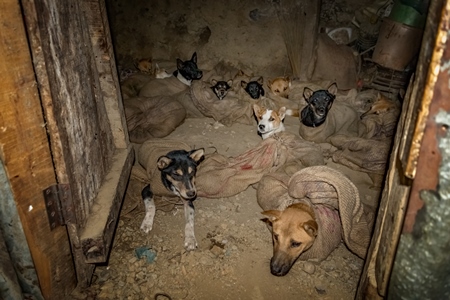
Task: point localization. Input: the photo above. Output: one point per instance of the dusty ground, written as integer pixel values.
(232, 261)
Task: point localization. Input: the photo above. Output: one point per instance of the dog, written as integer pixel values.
(161, 73)
(271, 121)
(144, 65)
(294, 231)
(220, 88)
(319, 103)
(178, 169)
(254, 88)
(188, 70)
(280, 86)
(381, 105)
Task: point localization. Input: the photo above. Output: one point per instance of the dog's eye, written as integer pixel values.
(295, 244)
(285, 88)
(275, 237)
(271, 119)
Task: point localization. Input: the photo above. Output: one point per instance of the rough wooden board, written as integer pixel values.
(102, 48)
(97, 236)
(26, 156)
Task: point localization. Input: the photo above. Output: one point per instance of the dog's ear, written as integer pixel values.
(269, 83)
(244, 84)
(240, 73)
(282, 113)
(310, 227)
(157, 67)
(163, 162)
(230, 82)
(272, 215)
(197, 155)
(194, 57)
(332, 89)
(260, 80)
(307, 93)
(180, 64)
(213, 82)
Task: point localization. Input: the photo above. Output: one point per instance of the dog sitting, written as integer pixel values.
(254, 88)
(280, 86)
(220, 88)
(294, 231)
(319, 103)
(178, 169)
(271, 121)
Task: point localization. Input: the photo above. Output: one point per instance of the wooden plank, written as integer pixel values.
(103, 50)
(398, 193)
(97, 236)
(26, 156)
(76, 100)
(426, 69)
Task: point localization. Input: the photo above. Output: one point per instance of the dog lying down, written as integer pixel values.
(178, 169)
(271, 121)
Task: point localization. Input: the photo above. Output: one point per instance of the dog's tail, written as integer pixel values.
(292, 112)
(147, 193)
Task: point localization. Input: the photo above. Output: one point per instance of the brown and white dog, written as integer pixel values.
(280, 86)
(294, 231)
(271, 121)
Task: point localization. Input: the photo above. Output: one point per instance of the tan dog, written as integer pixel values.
(294, 231)
(280, 86)
(381, 105)
(144, 65)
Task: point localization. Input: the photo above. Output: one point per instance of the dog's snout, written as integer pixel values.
(261, 127)
(199, 74)
(191, 194)
(278, 269)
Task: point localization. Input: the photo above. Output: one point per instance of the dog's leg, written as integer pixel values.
(150, 209)
(190, 243)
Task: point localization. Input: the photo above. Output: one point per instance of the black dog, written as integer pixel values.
(254, 88)
(188, 70)
(220, 88)
(319, 103)
(178, 169)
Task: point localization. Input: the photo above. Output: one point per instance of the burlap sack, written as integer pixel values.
(366, 155)
(131, 86)
(333, 62)
(231, 109)
(154, 117)
(341, 119)
(162, 87)
(335, 200)
(219, 176)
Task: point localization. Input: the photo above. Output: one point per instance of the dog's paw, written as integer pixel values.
(190, 243)
(146, 227)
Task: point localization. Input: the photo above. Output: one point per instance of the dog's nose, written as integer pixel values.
(261, 127)
(191, 194)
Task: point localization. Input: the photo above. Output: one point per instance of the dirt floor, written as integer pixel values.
(232, 260)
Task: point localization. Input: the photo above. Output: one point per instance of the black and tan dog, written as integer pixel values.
(178, 169)
(220, 88)
(319, 103)
(294, 231)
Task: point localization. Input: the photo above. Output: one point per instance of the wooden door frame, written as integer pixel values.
(27, 158)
